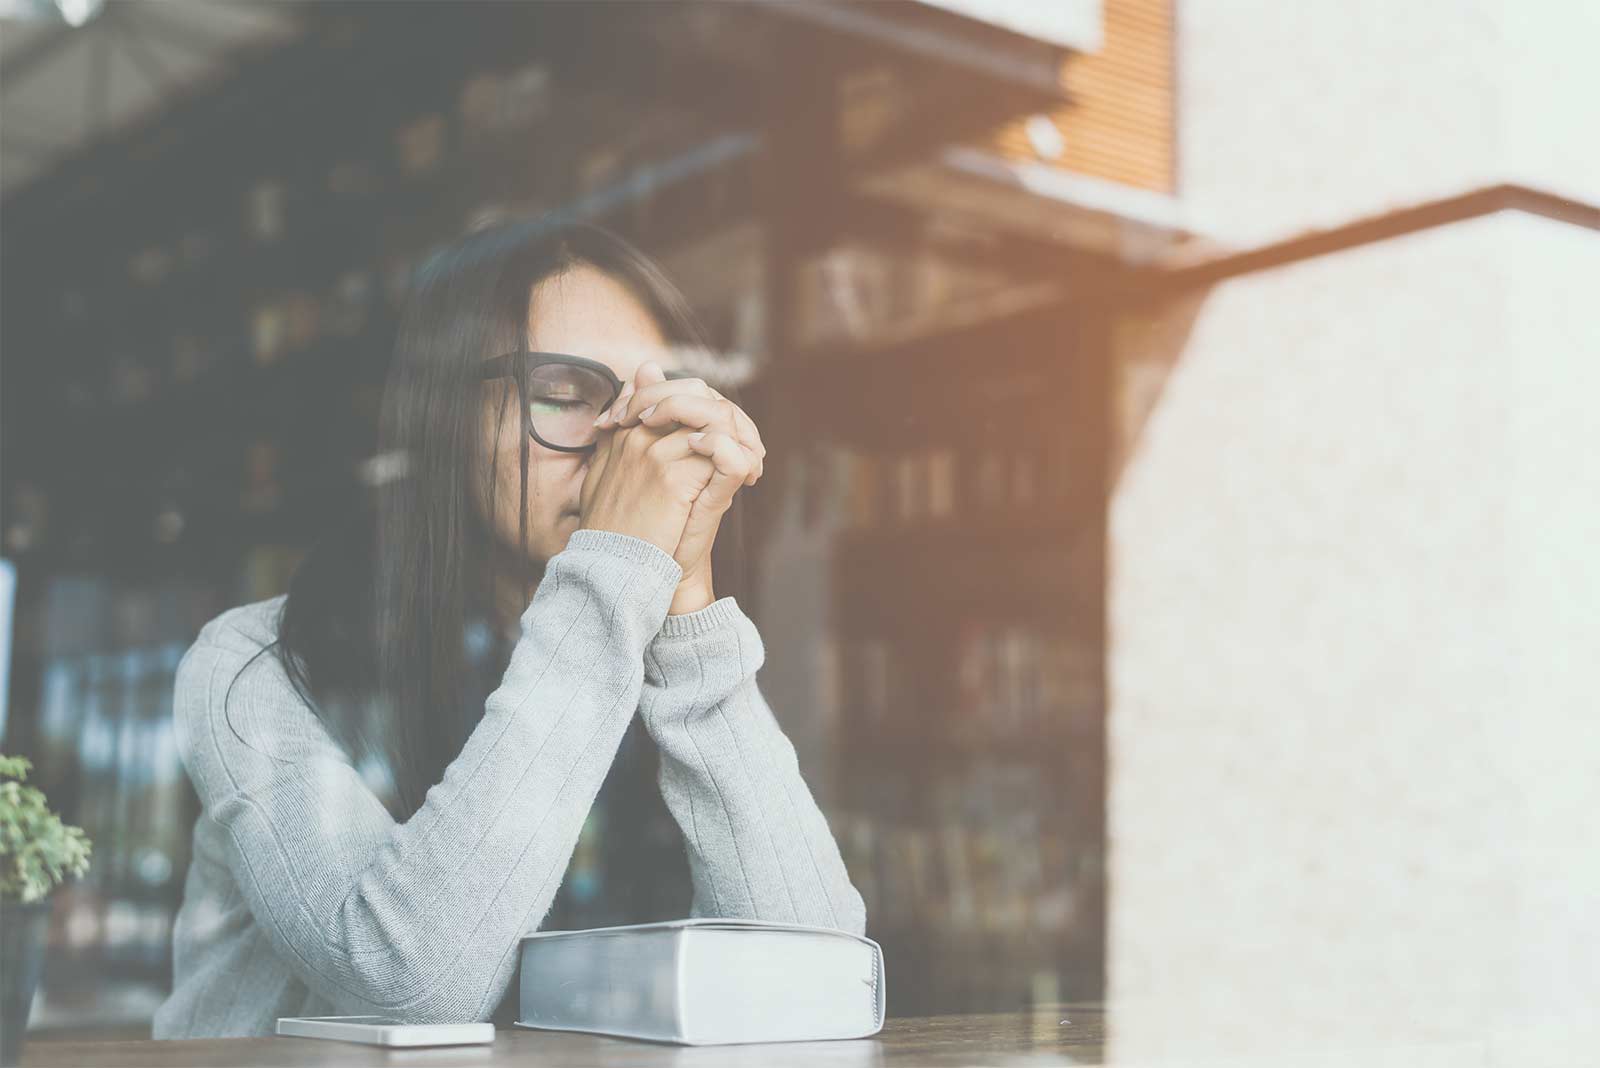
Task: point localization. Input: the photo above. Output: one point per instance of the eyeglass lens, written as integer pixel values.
(563, 401)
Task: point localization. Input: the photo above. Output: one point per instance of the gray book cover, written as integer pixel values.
(704, 981)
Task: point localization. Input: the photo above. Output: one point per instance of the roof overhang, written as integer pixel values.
(1134, 226)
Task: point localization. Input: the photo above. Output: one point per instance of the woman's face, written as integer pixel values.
(582, 312)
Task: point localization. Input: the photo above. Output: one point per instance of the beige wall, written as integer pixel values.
(1353, 685)
(1296, 116)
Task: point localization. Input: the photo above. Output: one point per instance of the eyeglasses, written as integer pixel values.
(563, 394)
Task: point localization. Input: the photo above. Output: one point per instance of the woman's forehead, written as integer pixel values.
(585, 312)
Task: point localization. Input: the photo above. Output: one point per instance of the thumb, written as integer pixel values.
(733, 464)
(648, 372)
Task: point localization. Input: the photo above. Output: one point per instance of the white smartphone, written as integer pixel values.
(385, 1031)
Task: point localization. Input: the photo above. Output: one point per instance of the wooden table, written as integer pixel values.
(1061, 1034)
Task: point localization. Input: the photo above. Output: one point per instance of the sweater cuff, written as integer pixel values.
(719, 613)
(710, 652)
(651, 556)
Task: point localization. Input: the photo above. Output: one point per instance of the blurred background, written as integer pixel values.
(1179, 545)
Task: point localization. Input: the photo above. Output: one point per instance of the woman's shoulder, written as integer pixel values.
(245, 628)
(235, 641)
(236, 714)
(233, 673)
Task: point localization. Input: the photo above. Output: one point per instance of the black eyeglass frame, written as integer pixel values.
(506, 366)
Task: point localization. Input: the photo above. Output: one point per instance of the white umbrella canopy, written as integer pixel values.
(74, 71)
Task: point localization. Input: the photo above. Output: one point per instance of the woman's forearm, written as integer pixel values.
(422, 919)
(758, 845)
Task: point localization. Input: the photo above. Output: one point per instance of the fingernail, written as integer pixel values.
(695, 439)
(600, 420)
(646, 413)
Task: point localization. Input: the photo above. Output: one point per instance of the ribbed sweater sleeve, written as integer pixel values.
(422, 919)
(758, 846)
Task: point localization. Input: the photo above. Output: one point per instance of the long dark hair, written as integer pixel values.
(372, 633)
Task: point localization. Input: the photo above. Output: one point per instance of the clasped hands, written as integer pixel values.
(669, 456)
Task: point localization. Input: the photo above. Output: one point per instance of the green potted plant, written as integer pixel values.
(37, 852)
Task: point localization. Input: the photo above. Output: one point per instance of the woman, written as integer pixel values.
(375, 836)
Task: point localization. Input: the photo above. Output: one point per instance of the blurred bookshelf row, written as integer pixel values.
(984, 883)
(203, 366)
(1001, 685)
(922, 487)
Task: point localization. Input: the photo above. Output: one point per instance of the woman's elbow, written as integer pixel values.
(408, 990)
(386, 968)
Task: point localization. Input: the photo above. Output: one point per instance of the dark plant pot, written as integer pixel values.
(23, 931)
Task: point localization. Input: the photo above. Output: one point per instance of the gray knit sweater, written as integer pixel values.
(305, 897)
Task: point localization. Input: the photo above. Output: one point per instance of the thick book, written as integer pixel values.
(704, 981)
